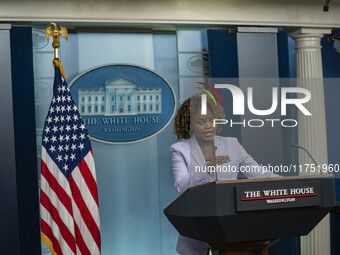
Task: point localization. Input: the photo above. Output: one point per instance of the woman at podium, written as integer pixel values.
(202, 156)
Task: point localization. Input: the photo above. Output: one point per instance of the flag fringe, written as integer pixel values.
(48, 243)
(58, 64)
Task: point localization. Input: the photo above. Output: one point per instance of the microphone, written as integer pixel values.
(300, 147)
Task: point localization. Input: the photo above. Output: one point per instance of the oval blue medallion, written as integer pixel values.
(123, 103)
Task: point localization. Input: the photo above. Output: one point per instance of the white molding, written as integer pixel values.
(310, 31)
(272, 30)
(288, 13)
(5, 26)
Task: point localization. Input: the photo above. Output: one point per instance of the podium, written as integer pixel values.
(240, 216)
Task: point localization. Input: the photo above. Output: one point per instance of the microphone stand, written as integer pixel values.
(300, 147)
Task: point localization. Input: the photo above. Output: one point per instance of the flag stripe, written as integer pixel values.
(64, 230)
(90, 163)
(63, 213)
(78, 251)
(46, 216)
(54, 169)
(84, 211)
(86, 167)
(63, 197)
(86, 233)
(81, 245)
(86, 194)
(46, 229)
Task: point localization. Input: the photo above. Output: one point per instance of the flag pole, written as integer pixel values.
(55, 32)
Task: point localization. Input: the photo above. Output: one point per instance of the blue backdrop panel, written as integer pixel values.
(127, 174)
(135, 182)
(286, 245)
(166, 65)
(258, 68)
(287, 66)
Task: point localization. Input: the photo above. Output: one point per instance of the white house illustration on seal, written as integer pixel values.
(120, 97)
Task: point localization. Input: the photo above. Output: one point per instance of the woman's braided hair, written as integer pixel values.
(192, 106)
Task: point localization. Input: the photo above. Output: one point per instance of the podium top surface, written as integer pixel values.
(288, 178)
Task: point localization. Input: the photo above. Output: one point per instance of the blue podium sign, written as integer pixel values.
(123, 103)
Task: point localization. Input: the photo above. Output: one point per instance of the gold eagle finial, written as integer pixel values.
(55, 32)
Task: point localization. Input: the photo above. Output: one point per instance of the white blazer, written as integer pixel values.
(188, 169)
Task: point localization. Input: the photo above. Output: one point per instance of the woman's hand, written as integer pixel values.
(220, 160)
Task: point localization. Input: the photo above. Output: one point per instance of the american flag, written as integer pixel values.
(69, 209)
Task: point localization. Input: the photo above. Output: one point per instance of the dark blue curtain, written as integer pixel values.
(25, 139)
(331, 69)
(223, 63)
